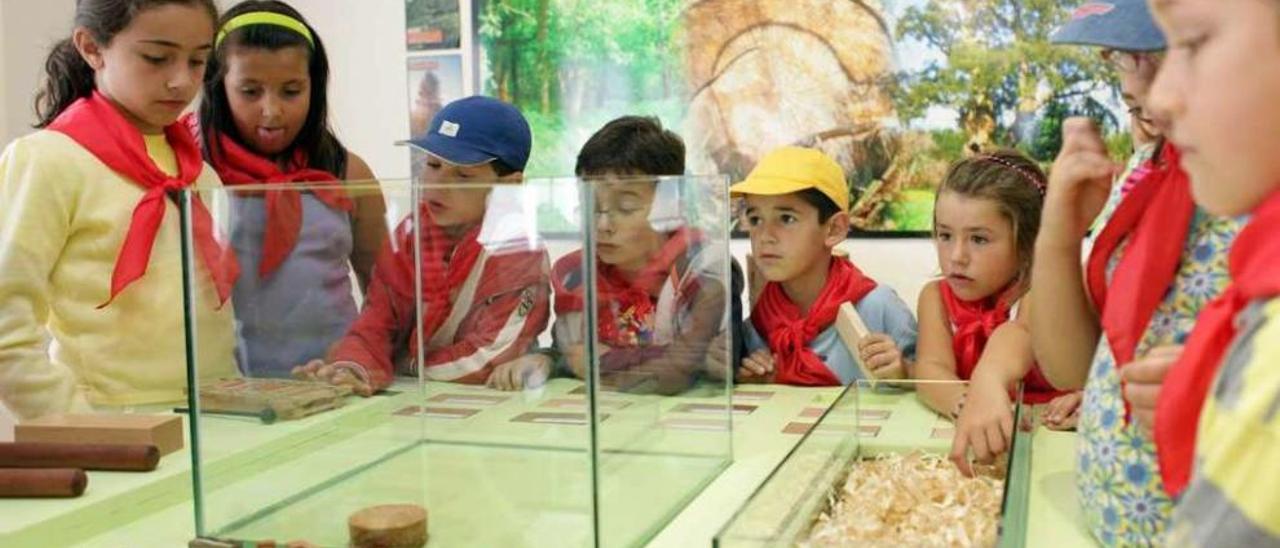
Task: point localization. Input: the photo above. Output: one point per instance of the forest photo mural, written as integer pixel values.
(894, 90)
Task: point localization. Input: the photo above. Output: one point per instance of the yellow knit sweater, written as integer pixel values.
(63, 218)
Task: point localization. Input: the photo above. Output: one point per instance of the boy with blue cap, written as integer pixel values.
(1112, 325)
(484, 302)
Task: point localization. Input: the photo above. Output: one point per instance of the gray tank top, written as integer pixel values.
(295, 314)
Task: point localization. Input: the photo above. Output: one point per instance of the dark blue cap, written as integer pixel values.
(1124, 25)
(478, 130)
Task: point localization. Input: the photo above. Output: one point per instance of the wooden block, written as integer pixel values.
(754, 282)
(389, 526)
(289, 399)
(162, 431)
(852, 329)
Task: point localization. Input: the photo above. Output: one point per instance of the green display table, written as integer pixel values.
(257, 477)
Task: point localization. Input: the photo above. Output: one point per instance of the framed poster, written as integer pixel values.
(432, 24)
(434, 81)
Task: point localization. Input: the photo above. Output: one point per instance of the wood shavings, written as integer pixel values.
(911, 500)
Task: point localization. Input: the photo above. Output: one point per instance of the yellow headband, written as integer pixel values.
(263, 18)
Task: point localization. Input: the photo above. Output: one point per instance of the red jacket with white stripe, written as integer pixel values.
(497, 316)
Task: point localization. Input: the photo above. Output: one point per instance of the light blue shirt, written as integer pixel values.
(882, 310)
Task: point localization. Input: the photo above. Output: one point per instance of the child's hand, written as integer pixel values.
(1079, 182)
(757, 368)
(985, 426)
(337, 374)
(528, 371)
(1142, 380)
(1063, 411)
(718, 357)
(576, 357)
(881, 355)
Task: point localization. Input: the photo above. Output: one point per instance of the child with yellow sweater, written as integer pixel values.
(90, 248)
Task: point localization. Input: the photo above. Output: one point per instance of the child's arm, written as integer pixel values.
(34, 226)
(1065, 328)
(370, 344)
(512, 307)
(368, 221)
(985, 423)
(934, 357)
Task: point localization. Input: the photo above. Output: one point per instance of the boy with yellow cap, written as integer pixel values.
(796, 201)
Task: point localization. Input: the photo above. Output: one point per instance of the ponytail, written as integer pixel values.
(68, 78)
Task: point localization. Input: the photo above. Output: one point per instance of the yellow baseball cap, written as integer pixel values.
(792, 169)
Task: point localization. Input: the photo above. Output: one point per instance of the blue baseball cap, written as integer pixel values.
(1124, 25)
(478, 130)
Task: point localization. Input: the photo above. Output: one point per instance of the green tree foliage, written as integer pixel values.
(572, 55)
(571, 65)
(1000, 73)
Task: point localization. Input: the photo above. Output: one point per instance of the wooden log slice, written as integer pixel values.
(389, 526)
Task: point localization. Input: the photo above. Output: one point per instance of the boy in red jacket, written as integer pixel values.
(483, 302)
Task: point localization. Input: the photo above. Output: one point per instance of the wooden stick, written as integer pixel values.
(267, 415)
(125, 458)
(42, 482)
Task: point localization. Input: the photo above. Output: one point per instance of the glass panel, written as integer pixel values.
(879, 445)
(664, 283)
(325, 403)
(93, 375)
(1014, 508)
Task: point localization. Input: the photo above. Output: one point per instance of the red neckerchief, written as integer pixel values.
(789, 332)
(1254, 263)
(236, 165)
(95, 124)
(445, 266)
(1145, 273)
(626, 307)
(974, 322)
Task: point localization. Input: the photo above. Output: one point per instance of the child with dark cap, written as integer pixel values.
(483, 302)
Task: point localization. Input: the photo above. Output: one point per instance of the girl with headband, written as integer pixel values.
(264, 121)
(985, 221)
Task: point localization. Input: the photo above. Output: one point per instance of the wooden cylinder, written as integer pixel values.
(389, 526)
(120, 458)
(42, 482)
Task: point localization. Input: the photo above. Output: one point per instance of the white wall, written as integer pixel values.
(368, 89)
(27, 29)
(4, 89)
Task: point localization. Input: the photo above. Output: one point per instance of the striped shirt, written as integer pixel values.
(1234, 495)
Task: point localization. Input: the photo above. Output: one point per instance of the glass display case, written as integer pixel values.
(873, 471)
(536, 363)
